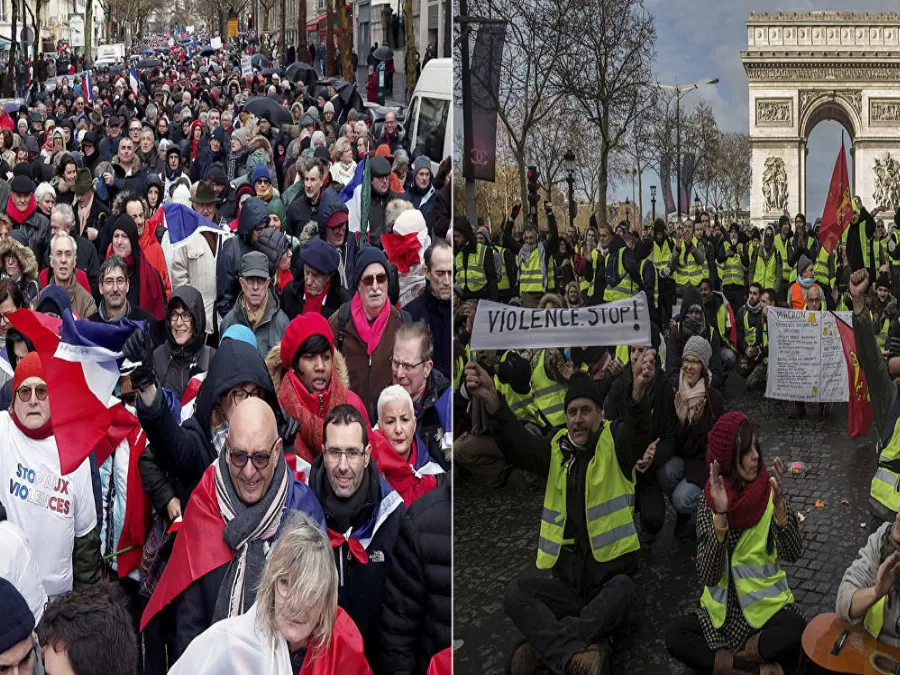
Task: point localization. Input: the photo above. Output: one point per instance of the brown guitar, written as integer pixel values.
(861, 654)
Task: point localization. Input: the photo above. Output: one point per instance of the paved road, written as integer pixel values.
(495, 535)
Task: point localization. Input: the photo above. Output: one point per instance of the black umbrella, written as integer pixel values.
(148, 63)
(141, 48)
(159, 50)
(209, 51)
(383, 53)
(259, 61)
(268, 72)
(263, 104)
(301, 72)
(116, 68)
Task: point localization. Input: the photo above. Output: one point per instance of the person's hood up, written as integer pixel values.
(253, 212)
(462, 225)
(691, 297)
(616, 242)
(329, 204)
(27, 261)
(10, 346)
(235, 363)
(193, 300)
(126, 223)
(486, 233)
(54, 299)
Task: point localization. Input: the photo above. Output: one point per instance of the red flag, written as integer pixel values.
(838, 205)
(859, 411)
(137, 503)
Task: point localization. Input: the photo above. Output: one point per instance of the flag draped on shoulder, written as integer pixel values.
(89, 87)
(838, 205)
(133, 80)
(356, 181)
(182, 222)
(859, 410)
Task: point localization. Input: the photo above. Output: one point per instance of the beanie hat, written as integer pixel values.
(366, 256)
(582, 386)
(300, 328)
(261, 171)
(217, 174)
(422, 162)
(16, 619)
(320, 255)
(720, 441)
(30, 366)
(803, 263)
(884, 279)
(700, 349)
(328, 107)
(240, 332)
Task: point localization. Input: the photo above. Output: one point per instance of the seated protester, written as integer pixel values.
(433, 306)
(62, 263)
(720, 317)
(398, 451)
(361, 504)
(316, 286)
(883, 307)
(253, 218)
(748, 318)
(184, 352)
(591, 582)
(416, 617)
(90, 212)
(20, 651)
(87, 262)
(692, 322)
(235, 514)
(745, 624)
(256, 306)
(315, 382)
(20, 266)
(145, 285)
(114, 306)
(295, 625)
(136, 207)
(806, 279)
(759, 364)
(19, 568)
(697, 407)
(66, 543)
(413, 369)
(88, 632)
(365, 327)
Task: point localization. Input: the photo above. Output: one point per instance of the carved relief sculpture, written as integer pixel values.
(887, 183)
(775, 185)
(884, 110)
(774, 112)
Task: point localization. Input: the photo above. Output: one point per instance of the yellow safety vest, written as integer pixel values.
(874, 620)
(823, 268)
(609, 505)
(885, 488)
(662, 255)
(787, 273)
(749, 331)
(522, 406)
(863, 242)
(722, 324)
(505, 283)
(530, 278)
(691, 273)
(549, 395)
(472, 277)
(626, 287)
(586, 285)
(733, 270)
(761, 585)
(765, 274)
(551, 274)
(882, 336)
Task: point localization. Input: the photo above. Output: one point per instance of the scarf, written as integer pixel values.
(39, 434)
(399, 472)
(402, 250)
(525, 254)
(247, 529)
(745, 509)
(370, 334)
(19, 217)
(312, 304)
(689, 401)
(267, 194)
(151, 296)
(254, 317)
(309, 410)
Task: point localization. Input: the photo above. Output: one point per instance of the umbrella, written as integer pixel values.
(383, 53)
(263, 104)
(209, 51)
(116, 68)
(148, 63)
(148, 52)
(259, 61)
(301, 71)
(142, 48)
(268, 72)
(13, 106)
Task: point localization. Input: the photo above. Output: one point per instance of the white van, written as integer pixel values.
(427, 120)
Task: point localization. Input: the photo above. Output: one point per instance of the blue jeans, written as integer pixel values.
(684, 495)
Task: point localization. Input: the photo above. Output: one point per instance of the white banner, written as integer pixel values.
(215, 43)
(246, 66)
(624, 322)
(806, 360)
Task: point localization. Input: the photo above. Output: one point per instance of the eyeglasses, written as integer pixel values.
(353, 455)
(372, 279)
(239, 395)
(130, 398)
(399, 365)
(181, 317)
(40, 391)
(260, 459)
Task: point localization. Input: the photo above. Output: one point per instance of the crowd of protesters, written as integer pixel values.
(289, 276)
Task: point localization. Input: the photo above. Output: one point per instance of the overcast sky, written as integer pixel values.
(703, 39)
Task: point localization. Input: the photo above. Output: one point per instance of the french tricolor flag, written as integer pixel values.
(133, 80)
(89, 87)
(182, 222)
(81, 368)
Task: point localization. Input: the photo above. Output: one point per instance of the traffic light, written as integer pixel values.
(249, 20)
(533, 196)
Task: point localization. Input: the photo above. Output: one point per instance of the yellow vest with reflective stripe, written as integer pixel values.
(691, 273)
(530, 278)
(505, 282)
(882, 336)
(863, 242)
(765, 274)
(522, 406)
(874, 620)
(885, 488)
(749, 331)
(733, 270)
(551, 274)
(609, 505)
(722, 324)
(586, 285)
(471, 277)
(761, 584)
(662, 255)
(787, 273)
(549, 395)
(823, 268)
(626, 287)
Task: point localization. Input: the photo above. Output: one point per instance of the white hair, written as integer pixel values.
(43, 190)
(59, 236)
(392, 394)
(66, 212)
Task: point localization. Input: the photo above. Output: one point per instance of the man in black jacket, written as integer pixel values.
(433, 305)
(62, 219)
(311, 205)
(364, 516)
(114, 305)
(315, 272)
(254, 219)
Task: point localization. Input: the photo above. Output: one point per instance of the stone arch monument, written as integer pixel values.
(803, 68)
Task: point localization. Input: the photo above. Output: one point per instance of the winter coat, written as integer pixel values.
(228, 262)
(136, 182)
(86, 260)
(300, 212)
(97, 219)
(175, 365)
(690, 440)
(194, 264)
(292, 301)
(437, 314)
(37, 231)
(151, 160)
(270, 328)
(27, 279)
(415, 620)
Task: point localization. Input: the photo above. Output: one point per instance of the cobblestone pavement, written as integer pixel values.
(495, 538)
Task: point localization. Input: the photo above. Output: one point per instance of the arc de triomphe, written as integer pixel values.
(803, 68)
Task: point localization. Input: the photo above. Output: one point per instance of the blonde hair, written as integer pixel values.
(340, 146)
(303, 558)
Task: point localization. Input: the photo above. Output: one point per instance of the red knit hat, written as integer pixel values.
(30, 366)
(720, 441)
(302, 327)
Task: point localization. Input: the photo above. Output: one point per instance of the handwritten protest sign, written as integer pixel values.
(806, 360)
(624, 322)
(246, 66)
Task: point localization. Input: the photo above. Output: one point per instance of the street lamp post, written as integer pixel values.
(696, 207)
(569, 159)
(653, 200)
(680, 90)
(627, 212)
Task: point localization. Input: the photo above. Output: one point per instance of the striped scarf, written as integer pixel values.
(248, 529)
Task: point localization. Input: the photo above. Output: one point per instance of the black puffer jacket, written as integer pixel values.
(415, 620)
(228, 262)
(175, 365)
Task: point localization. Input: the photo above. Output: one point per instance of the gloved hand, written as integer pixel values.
(138, 348)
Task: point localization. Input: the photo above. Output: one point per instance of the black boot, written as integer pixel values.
(683, 527)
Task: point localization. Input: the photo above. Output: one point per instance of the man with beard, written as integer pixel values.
(433, 305)
(475, 271)
(732, 262)
(315, 202)
(114, 305)
(661, 254)
(766, 263)
(749, 319)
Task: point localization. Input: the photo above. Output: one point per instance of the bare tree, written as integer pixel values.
(344, 43)
(610, 47)
(329, 37)
(302, 46)
(412, 60)
(733, 167)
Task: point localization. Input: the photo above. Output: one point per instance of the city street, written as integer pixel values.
(496, 537)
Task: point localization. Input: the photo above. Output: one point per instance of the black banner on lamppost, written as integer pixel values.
(481, 145)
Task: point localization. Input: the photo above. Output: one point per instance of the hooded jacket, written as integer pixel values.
(292, 297)
(678, 338)
(136, 271)
(301, 211)
(27, 279)
(228, 262)
(174, 364)
(468, 250)
(268, 330)
(347, 250)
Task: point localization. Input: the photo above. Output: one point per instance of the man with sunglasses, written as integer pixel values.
(250, 489)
